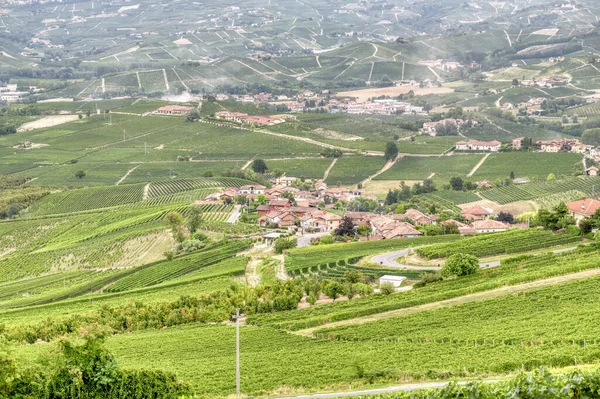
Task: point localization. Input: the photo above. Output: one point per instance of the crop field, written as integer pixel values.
(452, 198)
(426, 144)
(442, 168)
(169, 270)
(504, 130)
(508, 242)
(303, 260)
(585, 111)
(535, 166)
(524, 319)
(353, 169)
(311, 168)
(525, 192)
(509, 273)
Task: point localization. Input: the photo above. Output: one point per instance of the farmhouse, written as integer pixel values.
(477, 213)
(415, 216)
(173, 110)
(320, 221)
(476, 145)
(252, 189)
(489, 226)
(583, 208)
(591, 171)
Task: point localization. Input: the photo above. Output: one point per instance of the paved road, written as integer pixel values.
(399, 388)
(235, 215)
(389, 260)
(304, 241)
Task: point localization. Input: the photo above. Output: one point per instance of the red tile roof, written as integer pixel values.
(586, 207)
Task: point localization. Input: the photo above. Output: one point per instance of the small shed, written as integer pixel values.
(395, 280)
(270, 237)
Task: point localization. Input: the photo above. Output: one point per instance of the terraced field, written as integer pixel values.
(530, 191)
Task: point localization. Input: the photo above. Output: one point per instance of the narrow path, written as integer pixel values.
(145, 194)
(326, 174)
(472, 172)
(431, 176)
(127, 174)
(247, 163)
(386, 167)
(497, 103)
(397, 388)
(434, 72)
(166, 80)
(476, 297)
(235, 215)
(508, 38)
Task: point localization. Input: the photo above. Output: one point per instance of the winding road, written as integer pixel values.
(389, 259)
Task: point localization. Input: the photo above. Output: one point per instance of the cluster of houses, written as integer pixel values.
(10, 94)
(430, 127)
(477, 145)
(563, 145)
(173, 110)
(381, 107)
(259, 120)
(308, 215)
(546, 81)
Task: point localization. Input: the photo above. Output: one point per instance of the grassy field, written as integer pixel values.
(442, 168)
(353, 169)
(535, 166)
(311, 168)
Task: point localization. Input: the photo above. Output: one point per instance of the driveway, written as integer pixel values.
(304, 241)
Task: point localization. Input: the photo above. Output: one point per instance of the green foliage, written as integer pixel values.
(259, 166)
(281, 244)
(458, 265)
(591, 137)
(86, 371)
(507, 242)
(391, 151)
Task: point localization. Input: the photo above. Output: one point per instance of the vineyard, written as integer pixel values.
(530, 191)
(302, 260)
(522, 319)
(136, 195)
(152, 274)
(508, 242)
(508, 273)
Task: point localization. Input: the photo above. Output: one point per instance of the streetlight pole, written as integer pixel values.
(237, 351)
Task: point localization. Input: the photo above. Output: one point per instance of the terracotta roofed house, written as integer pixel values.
(477, 213)
(173, 110)
(489, 226)
(583, 208)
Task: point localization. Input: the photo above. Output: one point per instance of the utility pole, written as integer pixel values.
(237, 351)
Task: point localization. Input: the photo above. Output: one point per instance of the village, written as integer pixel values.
(321, 210)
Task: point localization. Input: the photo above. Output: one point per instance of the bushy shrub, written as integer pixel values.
(459, 265)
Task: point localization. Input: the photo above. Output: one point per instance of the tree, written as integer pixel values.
(457, 183)
(174, 221)
(512, 175)
(585, 226)
(591, 137)
(346, 227)
(459, 264)
(446, 128)
(195, 219)
(80, 174)
(387, 288)
(333, 289)
(281, 244)
(259, 166)
(391, 151)
(575, 118)
(261, 199)
(505, 217)
(192, 116)
(551, 177)
(515, 82)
